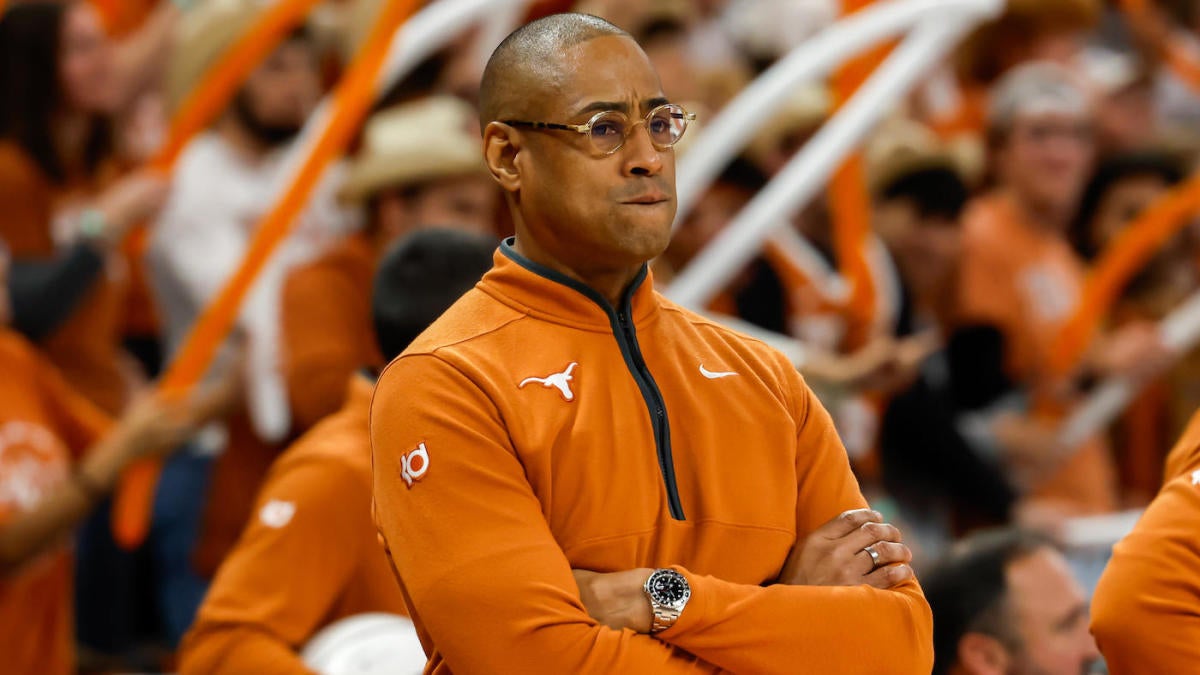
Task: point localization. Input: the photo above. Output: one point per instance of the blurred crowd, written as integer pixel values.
(992, 190)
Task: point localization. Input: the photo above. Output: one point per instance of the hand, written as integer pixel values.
(154, 425)
(833, 554)
(1135, 351)
(130, 201)
(1031, 448)
(617, 599)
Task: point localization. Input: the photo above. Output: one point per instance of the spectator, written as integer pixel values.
(420, 167)
(1020, 275)
(930, 463)
(222, 186)
(1121, 188)
(59, 456)
(1005, 602)
(59, 183)
(314, 529)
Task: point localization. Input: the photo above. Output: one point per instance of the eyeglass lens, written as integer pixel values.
(665, 124)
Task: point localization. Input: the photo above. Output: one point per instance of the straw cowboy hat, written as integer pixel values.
(428, 139)
(901, 146)
(203, 34)
(803, 112)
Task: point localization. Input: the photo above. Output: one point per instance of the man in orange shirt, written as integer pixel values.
(1020, 275)
(573, 474)
(1144, 613)
(311, 555)
(420, 167)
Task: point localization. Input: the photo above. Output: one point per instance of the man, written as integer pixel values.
(312, 556)
(1004, 602)
(221, 189)
(420, 167)
(1020, 275)
(927, 460)
(564, 438)
(1144, 610)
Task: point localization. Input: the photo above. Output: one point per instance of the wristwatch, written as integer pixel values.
(668, 592)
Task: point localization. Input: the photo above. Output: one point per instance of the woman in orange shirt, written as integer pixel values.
(57, 182)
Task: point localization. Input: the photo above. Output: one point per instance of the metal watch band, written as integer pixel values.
(664, 618)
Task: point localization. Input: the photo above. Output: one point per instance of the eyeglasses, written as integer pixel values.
(608, 130)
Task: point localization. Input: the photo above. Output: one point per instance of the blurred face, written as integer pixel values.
(926, 250)
(86, 62)
(1125, 120)
(465, 202)
(719, 204)
(279, 95)
(1051, 617)
(461, 202)
(595, 213)
(1123, 201)
(1046, 159)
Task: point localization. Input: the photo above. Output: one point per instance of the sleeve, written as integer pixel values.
(851, 629)
(65, 279)
(300, 548)
(319, 354)
(79, 422)
(1144, 611)
(485, 577)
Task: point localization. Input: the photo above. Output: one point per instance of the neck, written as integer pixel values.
(1043, 217)
(609, 283)
(242, 141)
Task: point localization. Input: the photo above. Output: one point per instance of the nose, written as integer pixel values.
(641, 157)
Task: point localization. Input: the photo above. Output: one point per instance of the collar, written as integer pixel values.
(551, 295)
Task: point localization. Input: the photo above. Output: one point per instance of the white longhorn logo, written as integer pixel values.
(560, 381)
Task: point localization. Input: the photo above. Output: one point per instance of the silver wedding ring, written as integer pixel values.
(870, 550)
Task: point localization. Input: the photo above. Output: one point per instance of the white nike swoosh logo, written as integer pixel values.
(714, 376)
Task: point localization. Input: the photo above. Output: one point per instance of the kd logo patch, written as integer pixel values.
(414, 464)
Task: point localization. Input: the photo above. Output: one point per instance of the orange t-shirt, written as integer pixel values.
(534, 429)
(327, 330)
(86, 348)
(1146, 609)
(1027, 283)
(44, 428)
(309, 556)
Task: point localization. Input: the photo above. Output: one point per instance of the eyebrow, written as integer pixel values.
(603, 106)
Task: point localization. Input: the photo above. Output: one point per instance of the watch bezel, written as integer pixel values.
(657, 599)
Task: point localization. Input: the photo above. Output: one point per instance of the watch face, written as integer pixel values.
(669, 587)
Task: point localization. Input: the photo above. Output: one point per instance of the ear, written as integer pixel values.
(980, 654)
(501, 143)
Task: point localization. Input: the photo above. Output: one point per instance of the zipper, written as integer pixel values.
(627, 340)
(626, 335)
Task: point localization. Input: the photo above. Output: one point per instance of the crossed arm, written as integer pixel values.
(494, 591)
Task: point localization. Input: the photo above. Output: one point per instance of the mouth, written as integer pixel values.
(648, 198)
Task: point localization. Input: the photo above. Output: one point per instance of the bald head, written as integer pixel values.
(528, 64)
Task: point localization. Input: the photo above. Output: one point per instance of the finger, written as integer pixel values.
(847, 522)
(889, 577)
(889, 554)
(868, 534)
